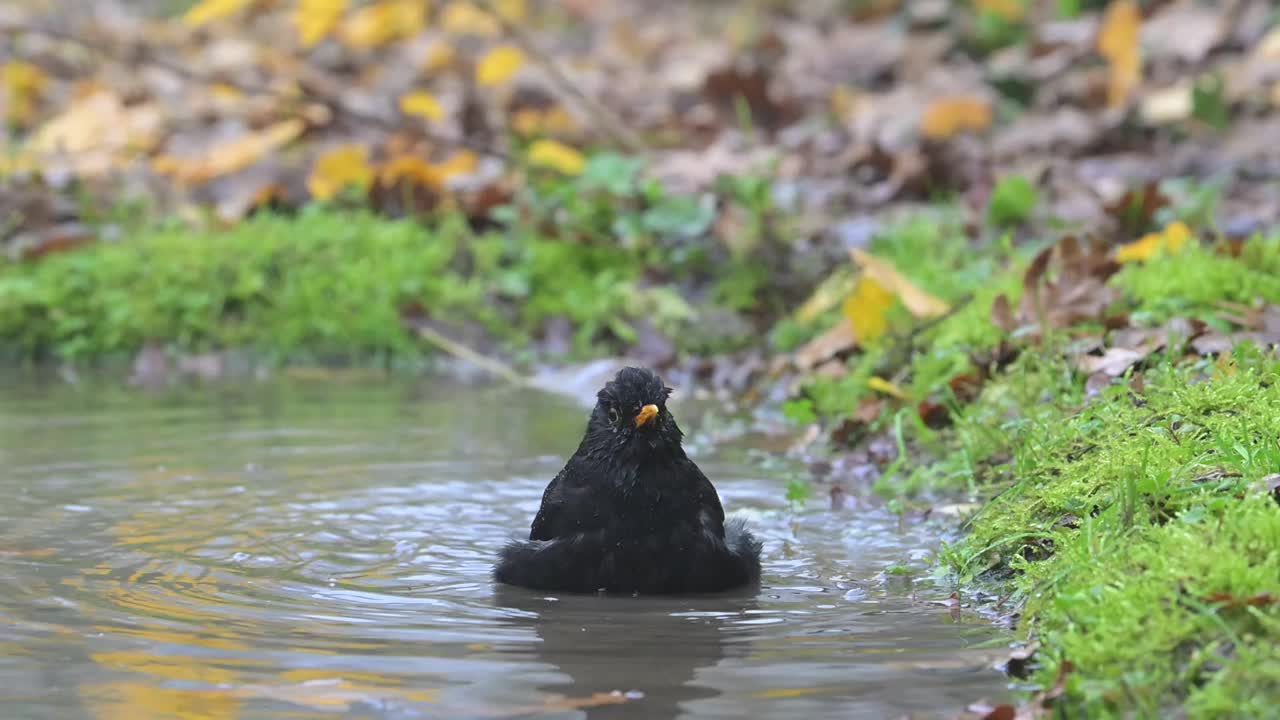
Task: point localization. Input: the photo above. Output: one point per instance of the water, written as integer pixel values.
(319, 548)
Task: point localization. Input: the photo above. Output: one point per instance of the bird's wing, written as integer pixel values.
(706, 494)
(544, 522)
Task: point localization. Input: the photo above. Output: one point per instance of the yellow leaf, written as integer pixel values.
(440, 57)
(338, 169)
(315, 19)
(884, 386)
(415, 171)
(920, 303)
(98, 133)
(208, 11)
(383, 22)
(231, 156)
(949, 116)
(463, 162)
(464, 18)
(421, 104)
(512, 10)
(868, 309)
(532, 122)
(1119, 43)
(1170, 241)
(556, 155)
(499, 65)
(1009, 10)
(21, 85)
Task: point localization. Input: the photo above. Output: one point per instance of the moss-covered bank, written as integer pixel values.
(337, 284)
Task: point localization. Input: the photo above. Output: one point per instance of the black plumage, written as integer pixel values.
(630, 512)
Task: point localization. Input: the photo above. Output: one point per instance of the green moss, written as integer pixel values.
(1193, 282)
(1126, 518)
(323, 284)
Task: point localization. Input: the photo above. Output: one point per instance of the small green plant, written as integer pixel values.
(798, 492)
(1012, 201)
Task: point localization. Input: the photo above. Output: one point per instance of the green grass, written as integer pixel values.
(324, 284)
(1134, 530)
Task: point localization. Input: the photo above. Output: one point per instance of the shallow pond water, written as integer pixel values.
(311, 548)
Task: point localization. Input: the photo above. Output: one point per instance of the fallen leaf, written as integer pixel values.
(412, 169)
(950, 116)
(207, 11)
(557, 156)
(1078, 294)
(1113, 363)
(383, 22)
(1259, 600)
(499, 65)
(423, 104)
(839, 339)
(231, 156)
(867, 309)
(22, 85)
(1120, 44)
(315, 19)
(918, 302)
(1170, 241)
(338, 169)
(98, 133)
(464, 18)
(884, 386)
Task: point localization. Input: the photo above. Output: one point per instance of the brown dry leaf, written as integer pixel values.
(951, 116)
(1079, 293)
(867, 309)
(838, 340)
(231, 156)
(918, 302)
(338, 169)
(1120, 43)
(1114, 362)
(315, 19)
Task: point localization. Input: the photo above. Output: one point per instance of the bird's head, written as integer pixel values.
(631, 420)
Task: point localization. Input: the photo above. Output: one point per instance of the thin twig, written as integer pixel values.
(462, 352)
(335, 104)
(602, 116)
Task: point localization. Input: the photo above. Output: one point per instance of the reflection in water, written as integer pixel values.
(649, 649)
(309, 549)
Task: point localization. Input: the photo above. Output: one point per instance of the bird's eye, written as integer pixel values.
(613, 415)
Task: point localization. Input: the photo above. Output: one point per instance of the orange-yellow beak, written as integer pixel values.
(647, 413)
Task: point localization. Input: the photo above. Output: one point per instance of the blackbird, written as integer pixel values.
(630, 512)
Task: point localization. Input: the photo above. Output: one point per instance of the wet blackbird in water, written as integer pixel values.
(630, 512)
